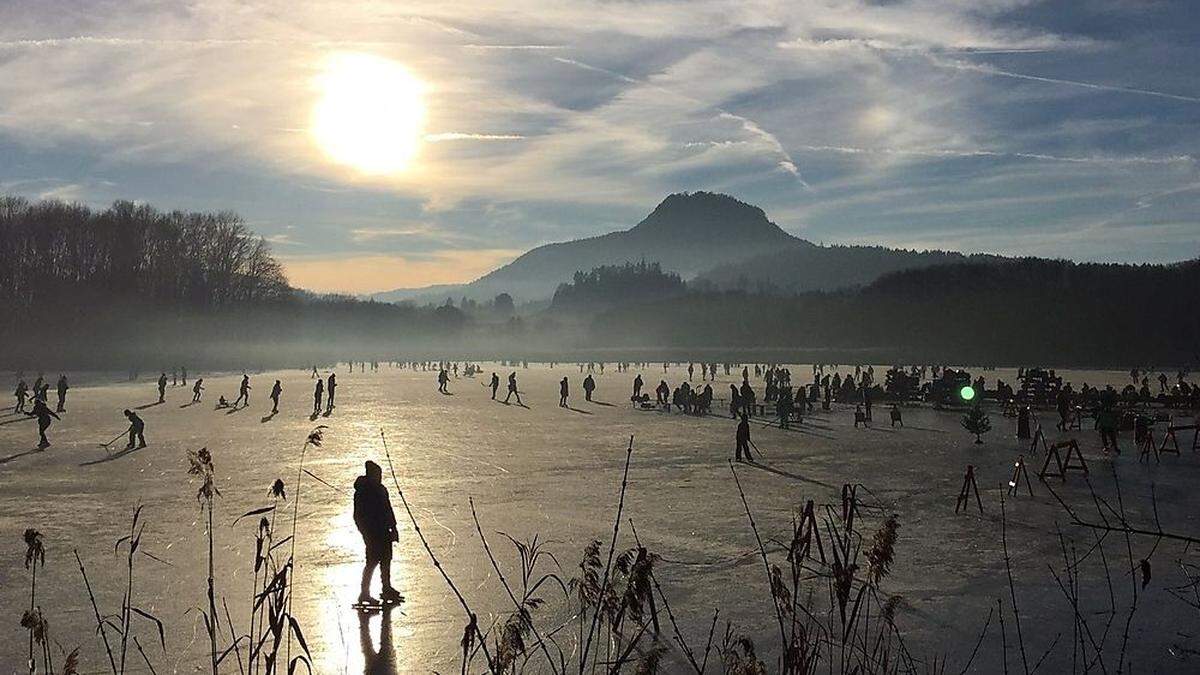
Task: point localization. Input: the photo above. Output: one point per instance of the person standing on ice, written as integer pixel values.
(376, 523)
(512, 388)
(637, 386)
(196, 389)
(43, 413)
(495, 384)
(443, 380)
(162, 387)
(22, 392)
(743, 439)
(564, 390)
(318, 392)
(330, 391)
(62, 393)
(275, 392)
(589, 385)
(243, 392)
(137, 430)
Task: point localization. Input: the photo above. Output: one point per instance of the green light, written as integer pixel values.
(967, 393)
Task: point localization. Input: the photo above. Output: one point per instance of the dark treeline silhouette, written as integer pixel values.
(133, 287)
(1023, 311)
(824, 268)
(68, 253)
(611, 284)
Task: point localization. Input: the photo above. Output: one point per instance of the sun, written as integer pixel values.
(370, 115)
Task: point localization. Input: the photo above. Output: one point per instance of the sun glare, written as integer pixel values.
(371, 113)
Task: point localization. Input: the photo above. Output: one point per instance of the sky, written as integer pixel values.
(1052, 128)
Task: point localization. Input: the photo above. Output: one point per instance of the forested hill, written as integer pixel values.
(826, 268)
(1022, 311)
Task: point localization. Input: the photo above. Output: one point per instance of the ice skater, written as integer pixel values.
(137, 429)
(564, 390)
(589, 386)
(275, 392)
(330, 391)
(743, 439)
(443, 380)
(62, 393)
(21, 392)
(376, 523)
(318, 393)
(637, 387)
(512, 388)
(43, 413)
(495, 384)
(162, 387)
(196, 389)
(243, 392)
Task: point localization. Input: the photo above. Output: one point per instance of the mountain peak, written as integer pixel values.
(708, 215)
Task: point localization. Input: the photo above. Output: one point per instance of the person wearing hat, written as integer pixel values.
(376, 523)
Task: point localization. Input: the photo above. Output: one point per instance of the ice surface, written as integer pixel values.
(548, 470)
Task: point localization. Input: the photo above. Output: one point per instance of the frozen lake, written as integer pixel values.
(557, 472)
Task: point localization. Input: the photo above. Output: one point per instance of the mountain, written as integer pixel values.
(687, 233)
(713, 239)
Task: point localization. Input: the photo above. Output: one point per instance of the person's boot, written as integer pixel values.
(365, 598)
(391, 595)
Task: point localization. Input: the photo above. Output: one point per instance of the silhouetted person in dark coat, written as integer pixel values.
(243, 392)
(21, 392)
(318, 392)
(495, 385)
(62, 394)
(137, 429)
(275, 392)
(589, 385)
(735, 401)
(512, 389)
(1106, 422)
(330, 392)
(43, 413)
(564, 389)
(162, 387)
(197, 388)
(743, 439)
(637, 386)
(443, 380)
(377, 524)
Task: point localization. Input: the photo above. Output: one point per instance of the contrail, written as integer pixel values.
(786, 163)
(991, 70)
(460, 136)
(937, 152)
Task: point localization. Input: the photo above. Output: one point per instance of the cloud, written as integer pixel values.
(569, 119)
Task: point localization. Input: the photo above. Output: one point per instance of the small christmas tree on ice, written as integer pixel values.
(977, 422)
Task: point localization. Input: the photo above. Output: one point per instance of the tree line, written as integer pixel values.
(57, 253)
(1023, 311)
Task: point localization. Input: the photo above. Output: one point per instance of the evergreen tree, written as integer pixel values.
(977, 422)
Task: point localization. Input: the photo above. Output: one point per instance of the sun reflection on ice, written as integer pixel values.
(364, 642)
